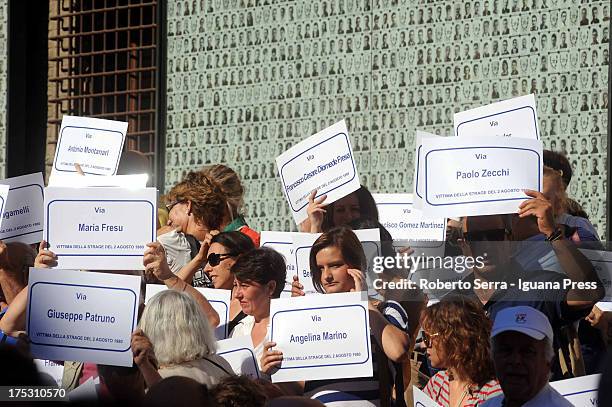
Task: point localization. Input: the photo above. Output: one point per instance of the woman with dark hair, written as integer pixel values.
(456, 332)
(259, 276)
(322, 217)
(336, 261)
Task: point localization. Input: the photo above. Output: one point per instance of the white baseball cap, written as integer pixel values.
(523, 319)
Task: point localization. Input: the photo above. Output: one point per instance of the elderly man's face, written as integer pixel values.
(520, 365)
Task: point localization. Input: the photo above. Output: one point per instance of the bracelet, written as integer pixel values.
(556, 235)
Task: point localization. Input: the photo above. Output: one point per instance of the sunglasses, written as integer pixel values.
(173, 204)
(215, 258)
(428, 338)
(493, 235)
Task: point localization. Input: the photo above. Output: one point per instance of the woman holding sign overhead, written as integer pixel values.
(336, 261)
(322, 216)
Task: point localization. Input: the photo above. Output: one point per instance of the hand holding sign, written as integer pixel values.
(297, 289)
(155, 262)
(45, 258)
(142, 349)
(271, 359)
(541, 208)
(316, 212)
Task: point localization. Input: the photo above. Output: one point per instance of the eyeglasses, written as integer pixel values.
(173, 204)
(428, 338)
(492, 235)
(215, 258)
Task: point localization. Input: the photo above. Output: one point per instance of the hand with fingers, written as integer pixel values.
(316, 211)
(155, 261)
(541, 208)
(45, 258)
(297, 289)
(142, 349)
(203, 252)
(359, 278)
(270, 359)
(4, 256)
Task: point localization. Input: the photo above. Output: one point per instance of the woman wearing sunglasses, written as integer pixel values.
(336, 261)
(224, 249)
(456, 332)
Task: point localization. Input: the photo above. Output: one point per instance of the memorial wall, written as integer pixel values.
(248, 79)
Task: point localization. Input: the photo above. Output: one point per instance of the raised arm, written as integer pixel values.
(575, 264)
(12, 281)
(188, 271)
(14, 321)
(394, 342)
(155, 263)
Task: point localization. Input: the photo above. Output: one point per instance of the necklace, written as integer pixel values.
(465, 392)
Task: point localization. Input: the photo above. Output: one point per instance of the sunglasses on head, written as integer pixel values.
(215, 258)
(491, 235)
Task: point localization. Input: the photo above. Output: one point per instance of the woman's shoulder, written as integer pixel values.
(394, 313)
(489, 389)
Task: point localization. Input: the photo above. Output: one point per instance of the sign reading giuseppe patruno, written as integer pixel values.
(323, 162)
(82, 316)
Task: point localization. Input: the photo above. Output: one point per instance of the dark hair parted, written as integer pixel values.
(261, 266)
(350, 247)
(235, 242)
(558, 161)
(208, 202)
(464, 332)
(367, 208)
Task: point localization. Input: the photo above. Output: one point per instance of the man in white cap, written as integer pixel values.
(522, 352)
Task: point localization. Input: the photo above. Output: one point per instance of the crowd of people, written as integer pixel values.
(482, 346)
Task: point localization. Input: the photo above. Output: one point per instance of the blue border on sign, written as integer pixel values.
(42, 196)
(319, 193)
(426, 247)
(580, 392)
(153, 214)
(321, 308)
(78, 285)
(89, 128)
(475, 148)
(248, 350)
(416, 182)
(226, 315)
(504, 112)
(285, 243)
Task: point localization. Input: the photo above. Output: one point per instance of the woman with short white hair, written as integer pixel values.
(175, 339)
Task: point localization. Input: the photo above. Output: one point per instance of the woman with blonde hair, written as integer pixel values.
(175, 339)
(456, 333)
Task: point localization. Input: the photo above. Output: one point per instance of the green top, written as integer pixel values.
(236, 224)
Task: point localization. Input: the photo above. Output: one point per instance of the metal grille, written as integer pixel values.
(103, 63)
